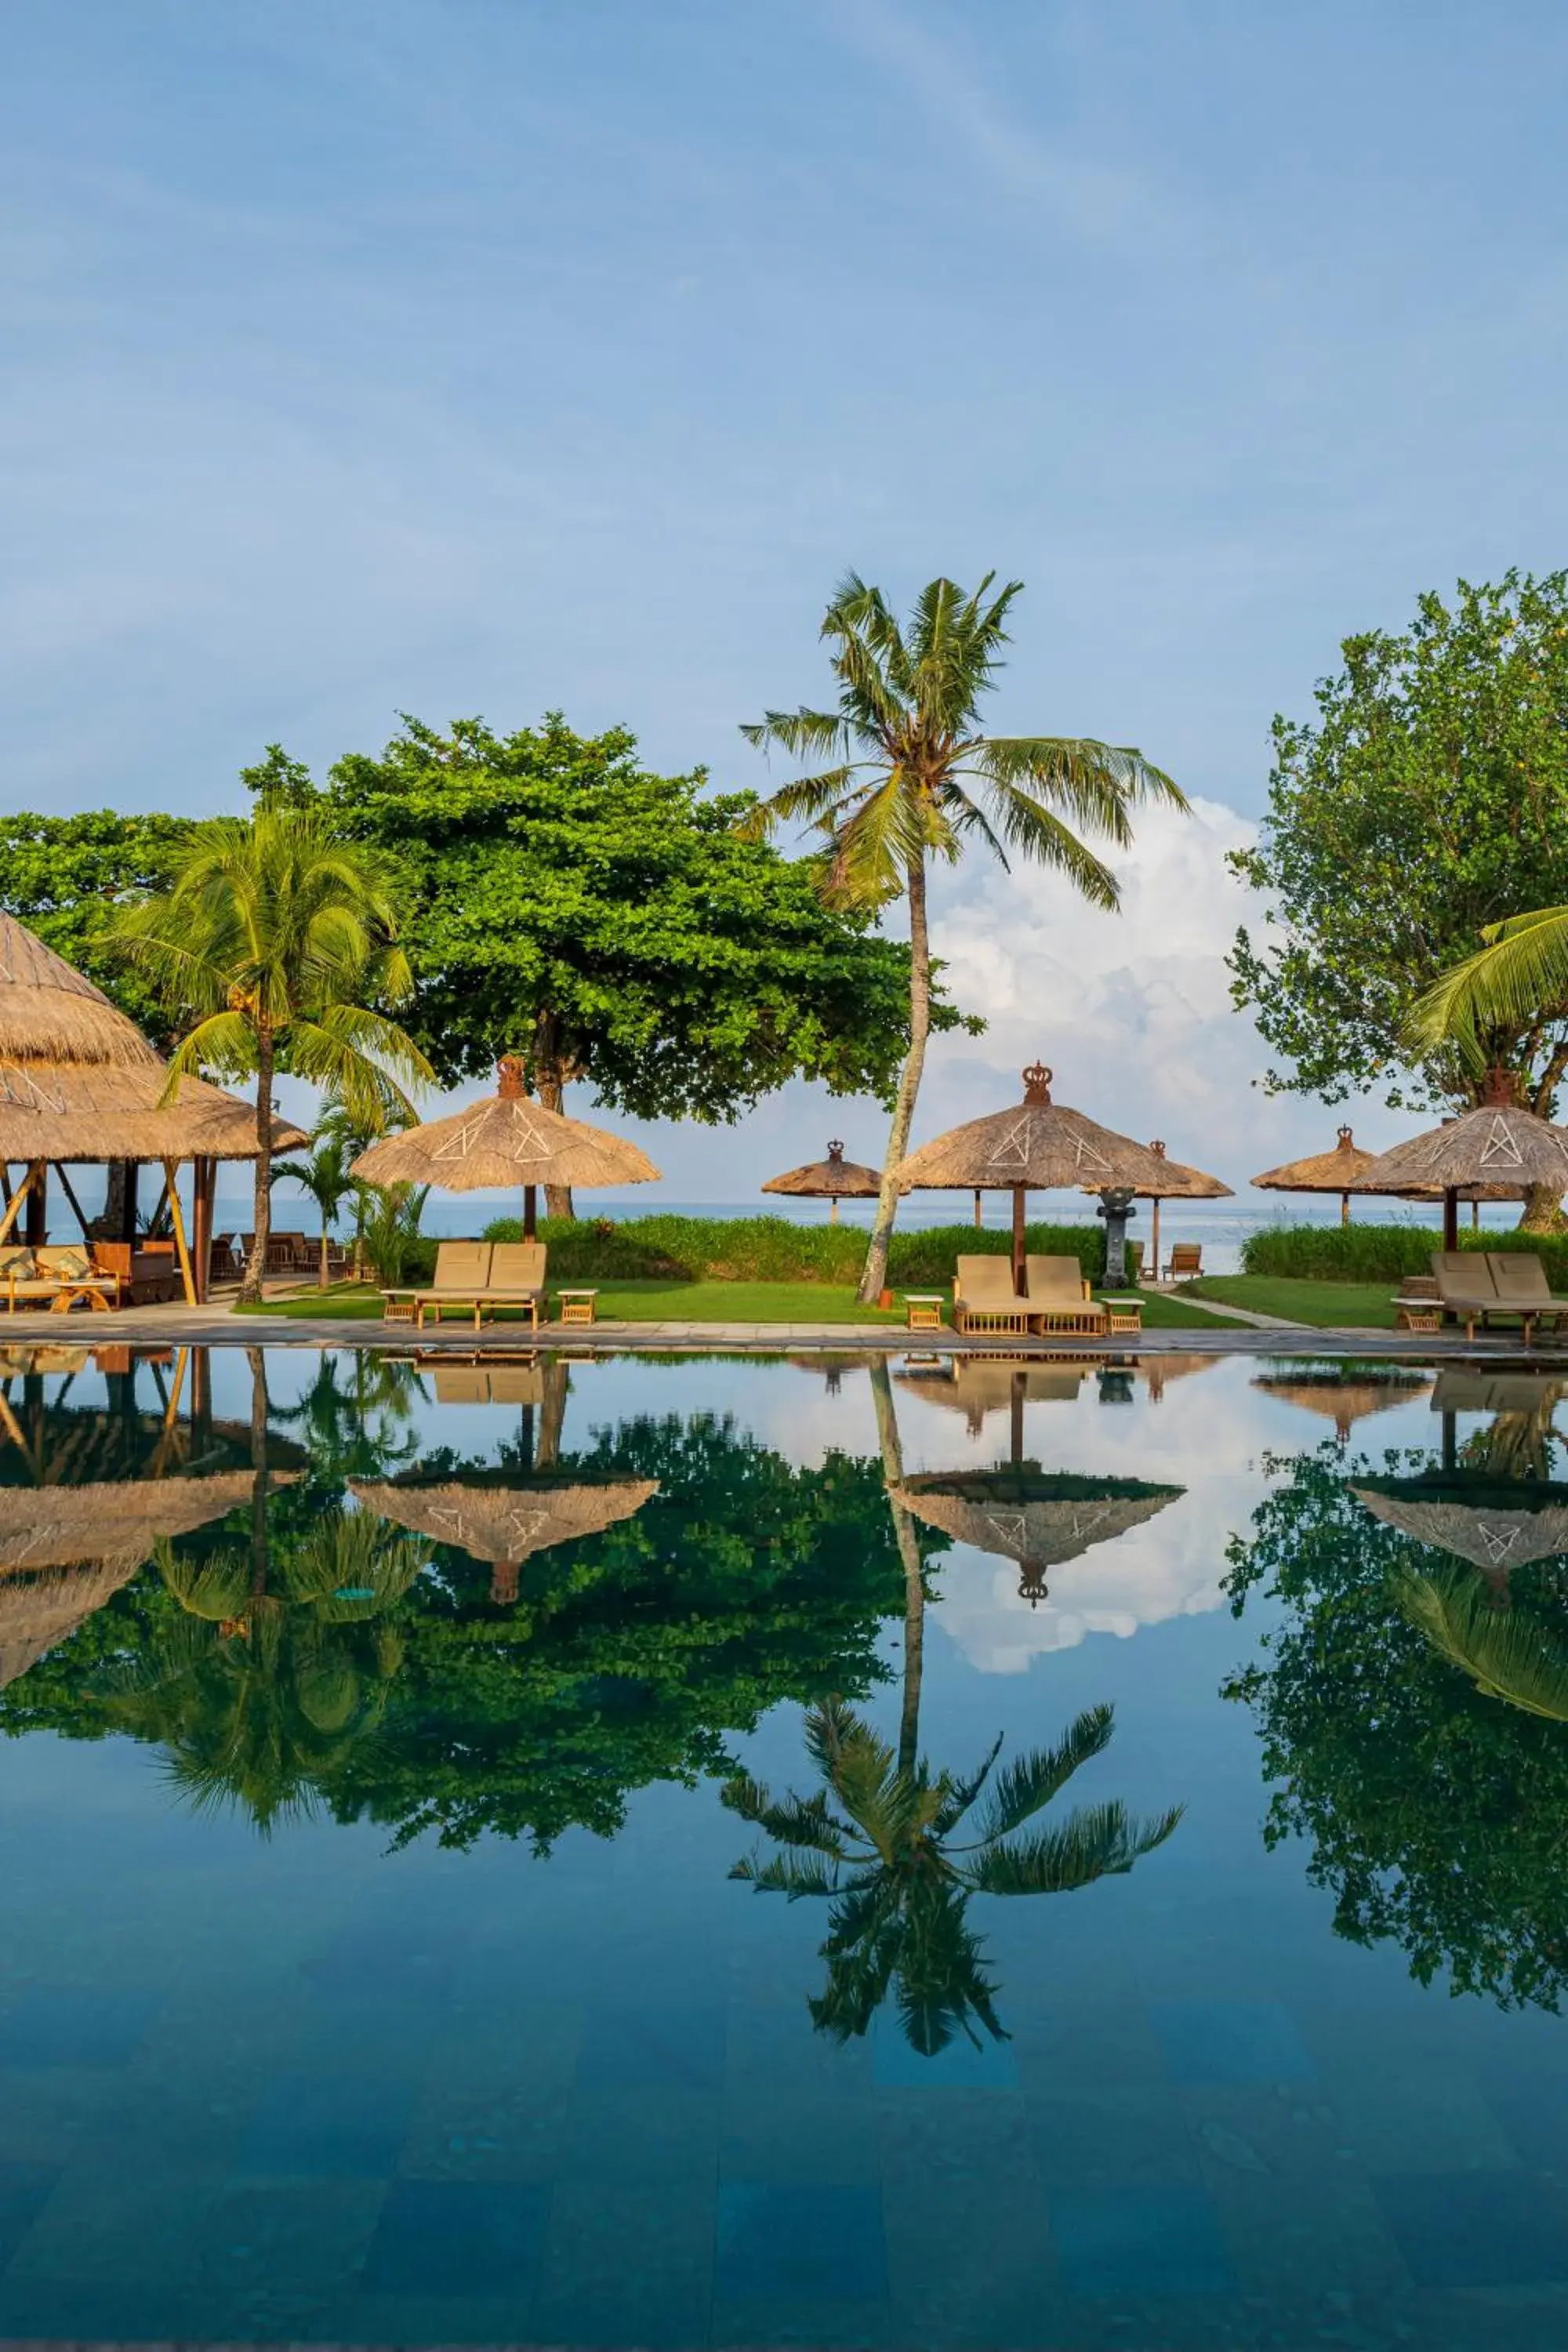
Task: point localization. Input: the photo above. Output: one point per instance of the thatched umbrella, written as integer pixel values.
(79, 1083)
(1344, 1397)
(1498, 1143)
(1338, 1171)
(1179, 1182)
(834, 1179)
(506, 1523)
(1038, 1146)
(65, 1551)
(1026, 1515)
(506, 1139)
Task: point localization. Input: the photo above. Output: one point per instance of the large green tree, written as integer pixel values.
(1432, 1808)
(64, 876)
(901, 773)
(609, 926)
(1427, 799)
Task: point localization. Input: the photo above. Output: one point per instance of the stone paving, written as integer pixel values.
(179, 1326)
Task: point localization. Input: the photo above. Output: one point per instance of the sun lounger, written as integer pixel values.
(984, 1298)
(1488, 1287)
(1059, 1297)
(461, 1277)
(1522, 1282)
(1466, 1288)
(517, 1278)
(1186, 1259)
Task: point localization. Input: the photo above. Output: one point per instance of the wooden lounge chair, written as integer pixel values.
(984, 1298)
(1466, 1288)
(1522, 1282)
(1060, 1299)
(1185, 1261)
(461, 1276)
(517, 1278)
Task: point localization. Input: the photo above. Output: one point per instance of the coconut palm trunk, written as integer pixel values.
(892, 1454)
(873, 1281)
(250, 1289)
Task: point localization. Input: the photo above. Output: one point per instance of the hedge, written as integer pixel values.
(1379, 1252)
(774, 1249)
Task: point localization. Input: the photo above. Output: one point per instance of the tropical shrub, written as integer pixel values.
(774, 1249)
(1367, 1252)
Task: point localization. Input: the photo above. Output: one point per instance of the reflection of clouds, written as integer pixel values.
(1170, 1568)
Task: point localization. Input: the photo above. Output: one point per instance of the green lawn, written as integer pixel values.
(1337, 1306)
(700, 1302)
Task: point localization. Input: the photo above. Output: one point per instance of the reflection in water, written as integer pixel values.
(497, 1520)
(1040, 1519)
(1411, 1710)
(1343, 1393)
(880, 1843)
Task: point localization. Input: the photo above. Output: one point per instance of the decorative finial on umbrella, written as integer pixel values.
(1158, 1149)
(1347, 1141)
(836, 1153)
(1032, 1582)
(508, 1071)
(1502, 1090)
(1037, 1084)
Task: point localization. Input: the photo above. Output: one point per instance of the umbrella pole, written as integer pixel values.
(1016, 1431)
(1450, 1217)
(833, 1210)
(1344, 1208)
(1154, 1239)
(530, 1212)
(978, 1207)
(1018, 1240)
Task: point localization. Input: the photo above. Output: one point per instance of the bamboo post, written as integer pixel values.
(530, 1212)
(1018, 1241)
(204, 1184)
(1155, 1238)
(171, 1173)
(977, 1206)
(833, 1210)
(1344, 1208)
(37, 1204)
(1451, 1218)
(14, 1205)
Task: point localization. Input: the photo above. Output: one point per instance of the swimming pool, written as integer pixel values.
(384, 1741)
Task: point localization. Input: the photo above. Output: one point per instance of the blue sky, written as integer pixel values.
(486, 357)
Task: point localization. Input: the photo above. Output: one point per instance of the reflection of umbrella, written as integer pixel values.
(1500, 1143)
(834, 1179)
(507, 1524)
(1342, 1395)
(1496, 1523)
(976, 1385)
(65, 1551)
(1038, 1146)
(1038, 1519)
(504, 1140)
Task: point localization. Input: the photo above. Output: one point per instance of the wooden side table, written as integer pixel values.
(577, 1306)
(1417, 1314)
(1124, 1314)
(398, 1307)
(922, 1310)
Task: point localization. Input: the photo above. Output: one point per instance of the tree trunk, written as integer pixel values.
(1542, 1210)
(550, 1084)
(258, 1362)
(323, 1272)
(874, 1280)
(250, 1289)
(910, 1559)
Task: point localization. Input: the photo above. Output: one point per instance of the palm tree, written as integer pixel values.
(270, 935)
(1520, 977)
(909, 776)
(325, 1176)
(1506, 1654)
(877, 1842)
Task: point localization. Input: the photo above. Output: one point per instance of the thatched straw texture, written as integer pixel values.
(1494, 1540)
(506, 1523)
(1498, 1143)
(38, 1613)
(89, 1111)
(60, 1527)
(833, 1178)
(50, 1013)
(1179, 1182)
(1040, 1521)
(1338, 1171)
(504, 1141)
(1038, 1146)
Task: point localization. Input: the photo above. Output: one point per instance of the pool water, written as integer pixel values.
(384, 1741)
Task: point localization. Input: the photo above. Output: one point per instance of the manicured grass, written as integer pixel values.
(1328, 1305)
(698, 1302)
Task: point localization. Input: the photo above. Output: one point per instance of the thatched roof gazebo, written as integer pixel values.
(834, 1179)
(502, 1141)
(506, 1523)
(65, 1551)
(79, 1084)
(1498, 1143)
(1037, 1146)
(1038, 1519)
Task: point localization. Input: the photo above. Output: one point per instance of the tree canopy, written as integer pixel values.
(1434, 1808)
(561, 902)
(66, 876)
(1427, 799)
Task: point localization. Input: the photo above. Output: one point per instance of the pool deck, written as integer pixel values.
(219, 1327)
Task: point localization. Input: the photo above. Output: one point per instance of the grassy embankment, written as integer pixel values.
(702, 1302)
(1324, 1306)
(1346, 1277)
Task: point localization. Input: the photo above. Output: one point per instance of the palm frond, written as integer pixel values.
(1026, 825)
(1506, 1654)
(784, 1874)
(1101, 1841)
(957, 1796)
(1023, 1787)
(801, 1822)
(1521, 975)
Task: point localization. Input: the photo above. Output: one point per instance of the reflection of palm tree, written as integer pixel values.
(364, 1430)
(878, 1841)
(910, 1558)
(277, 1669)
(1507, 1654)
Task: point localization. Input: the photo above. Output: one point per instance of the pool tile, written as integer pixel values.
(24, 2189)
(402, 1960)
(636, 2267)
(1230, 2041)
(1477, 2229)
(327, 2126)
(1393, 2122)
(1143, 2239)
(1081, 2138)
(620, 2135)
(897, 2065)
(680, 2047)
(799, 2244)
(63, 2025)
(457, 2238)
